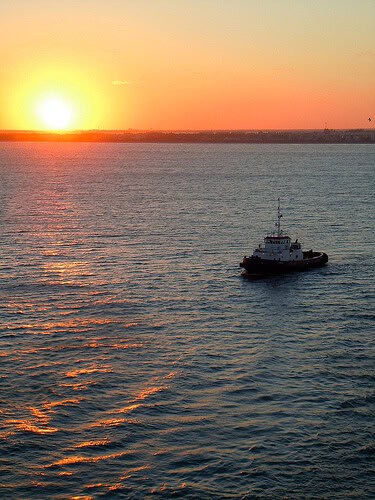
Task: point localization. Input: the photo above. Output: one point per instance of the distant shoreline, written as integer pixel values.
(354, 136)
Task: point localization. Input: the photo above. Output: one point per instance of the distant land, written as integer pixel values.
(326, 136)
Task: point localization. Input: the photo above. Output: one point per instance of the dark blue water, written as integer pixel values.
(136, 362)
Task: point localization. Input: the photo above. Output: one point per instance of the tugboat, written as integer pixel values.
(279, 255)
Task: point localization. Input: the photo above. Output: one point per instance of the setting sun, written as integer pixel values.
(61, 96)
(55, 113)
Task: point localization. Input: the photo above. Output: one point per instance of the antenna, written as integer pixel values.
(279, 215)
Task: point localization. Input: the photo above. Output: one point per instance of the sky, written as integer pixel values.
(186, 64)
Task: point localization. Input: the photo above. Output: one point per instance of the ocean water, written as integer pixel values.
(137, 362)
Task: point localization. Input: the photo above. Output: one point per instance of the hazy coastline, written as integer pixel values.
(325, 136)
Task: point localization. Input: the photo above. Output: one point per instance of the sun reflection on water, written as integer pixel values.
(77, 330)
(79, 459)
(146, 393)
(29, 426)
(128, 409)
(87, 371)
(112, 422)
(64, 402)
(90, 444)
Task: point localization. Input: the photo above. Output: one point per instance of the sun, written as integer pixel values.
(58, 97)
(55, 113)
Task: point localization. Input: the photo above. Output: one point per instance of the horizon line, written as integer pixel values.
(208, 130)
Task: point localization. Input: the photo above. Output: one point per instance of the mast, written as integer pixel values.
(279, 215)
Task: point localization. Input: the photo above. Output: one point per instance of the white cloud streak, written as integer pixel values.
(124, 82)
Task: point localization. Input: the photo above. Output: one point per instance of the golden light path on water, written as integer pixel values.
(52, 235)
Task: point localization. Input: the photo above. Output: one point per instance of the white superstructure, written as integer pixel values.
(278, 246)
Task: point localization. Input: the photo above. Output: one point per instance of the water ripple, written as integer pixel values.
(137, 362)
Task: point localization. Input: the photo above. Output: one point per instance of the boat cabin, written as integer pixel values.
(279, 242)
(279, 248)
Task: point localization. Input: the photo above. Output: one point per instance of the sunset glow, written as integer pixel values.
(187, 65)
(55, 113)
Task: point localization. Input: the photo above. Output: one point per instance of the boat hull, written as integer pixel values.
(256, 265)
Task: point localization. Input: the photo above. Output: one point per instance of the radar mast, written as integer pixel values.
(279, 215)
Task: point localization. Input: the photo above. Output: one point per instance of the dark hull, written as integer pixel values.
(255, 265)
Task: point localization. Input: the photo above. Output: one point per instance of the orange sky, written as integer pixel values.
(186, 64)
